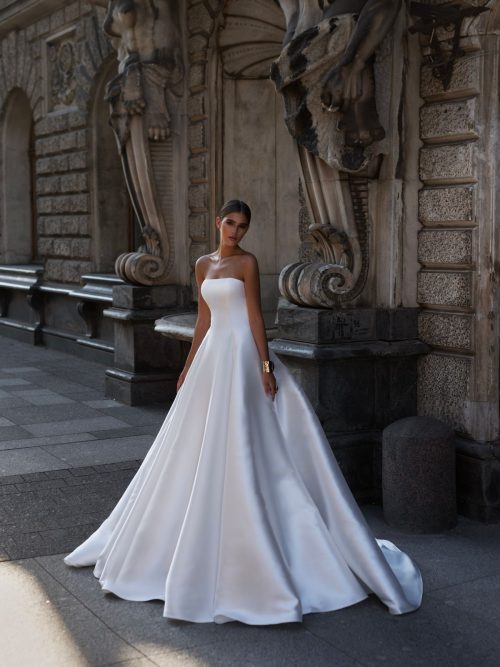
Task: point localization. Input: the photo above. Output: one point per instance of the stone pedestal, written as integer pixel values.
(359, 370)
(146, 364)
(418, 475)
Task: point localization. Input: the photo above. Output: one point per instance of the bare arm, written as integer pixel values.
(256, 320)
(202, 322)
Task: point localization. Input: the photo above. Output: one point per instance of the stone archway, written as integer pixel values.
(239, 145)
(17, 184)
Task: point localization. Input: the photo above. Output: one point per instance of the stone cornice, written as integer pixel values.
(15, 14)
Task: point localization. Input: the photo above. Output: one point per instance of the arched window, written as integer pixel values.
(18, 243)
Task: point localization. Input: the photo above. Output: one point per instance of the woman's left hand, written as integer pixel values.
(270, 384)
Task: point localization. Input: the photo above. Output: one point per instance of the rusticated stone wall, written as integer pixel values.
(458, 380)
(55, 61)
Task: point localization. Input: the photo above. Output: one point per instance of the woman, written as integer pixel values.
(239, 510)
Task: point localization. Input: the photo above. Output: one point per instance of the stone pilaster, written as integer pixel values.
(458, 380)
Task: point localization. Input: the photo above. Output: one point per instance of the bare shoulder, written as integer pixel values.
(249, 262)
(201, 266)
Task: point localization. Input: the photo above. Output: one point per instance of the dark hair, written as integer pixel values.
(235, 206)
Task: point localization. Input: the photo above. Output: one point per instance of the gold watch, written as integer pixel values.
(267, 366)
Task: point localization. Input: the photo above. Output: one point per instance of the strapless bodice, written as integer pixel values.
(226, 299)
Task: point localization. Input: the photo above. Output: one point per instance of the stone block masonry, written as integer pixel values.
(63, 196)
(450, 134)
(457, 250)
(55, 62)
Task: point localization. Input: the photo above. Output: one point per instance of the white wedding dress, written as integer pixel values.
(239, 510)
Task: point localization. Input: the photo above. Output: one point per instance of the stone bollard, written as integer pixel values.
(418, 475)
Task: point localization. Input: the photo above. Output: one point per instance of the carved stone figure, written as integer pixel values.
(325, 74)
(145, 34)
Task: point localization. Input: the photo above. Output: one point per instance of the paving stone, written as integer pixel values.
(21, 370)
(5, 422)
(8, 433)
(103, 403)
(74, 426)
(42, 397)
(12, 402)
(21, 461)
(38, 414)
(101, 451)
(13, 382)
(151, 429)
(45, 625)
(46, 440)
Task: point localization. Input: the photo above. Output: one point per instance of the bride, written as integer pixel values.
(239, 510)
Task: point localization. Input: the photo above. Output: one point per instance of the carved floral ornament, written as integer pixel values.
(62, 72)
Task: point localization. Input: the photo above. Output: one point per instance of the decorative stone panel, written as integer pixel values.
(61, 70)
(449, 121)
(445, 205)
(451, 289)
(445, 247)
(446, 330)
(445, 164)
(443, 389)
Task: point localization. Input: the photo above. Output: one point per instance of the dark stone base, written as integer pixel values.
(137, 389)
(146, 364)
(359, 370)
(418, 476)
(478, 480)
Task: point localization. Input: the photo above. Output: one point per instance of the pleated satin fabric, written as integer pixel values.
(239, 510)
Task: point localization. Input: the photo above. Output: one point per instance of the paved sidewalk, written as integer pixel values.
(66, 455)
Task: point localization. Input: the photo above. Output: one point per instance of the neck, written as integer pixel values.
(224, 251)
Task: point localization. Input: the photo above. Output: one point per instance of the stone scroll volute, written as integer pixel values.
(325, 74)
(146, 37)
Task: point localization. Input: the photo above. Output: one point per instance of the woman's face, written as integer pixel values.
(232, 227)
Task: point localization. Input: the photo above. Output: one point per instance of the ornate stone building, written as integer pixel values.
(374, 210)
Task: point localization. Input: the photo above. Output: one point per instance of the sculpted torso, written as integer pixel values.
(143, 29)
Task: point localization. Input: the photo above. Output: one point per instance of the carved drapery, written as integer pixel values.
(325, 74)
(146, 37)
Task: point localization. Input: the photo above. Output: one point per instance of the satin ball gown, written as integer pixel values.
(239, 510)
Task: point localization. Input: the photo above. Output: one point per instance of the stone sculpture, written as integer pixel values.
(146, 36)
(325, 75)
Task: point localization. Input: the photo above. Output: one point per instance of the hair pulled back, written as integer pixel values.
(235, 206)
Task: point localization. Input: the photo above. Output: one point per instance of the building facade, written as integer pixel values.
(378, 275)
